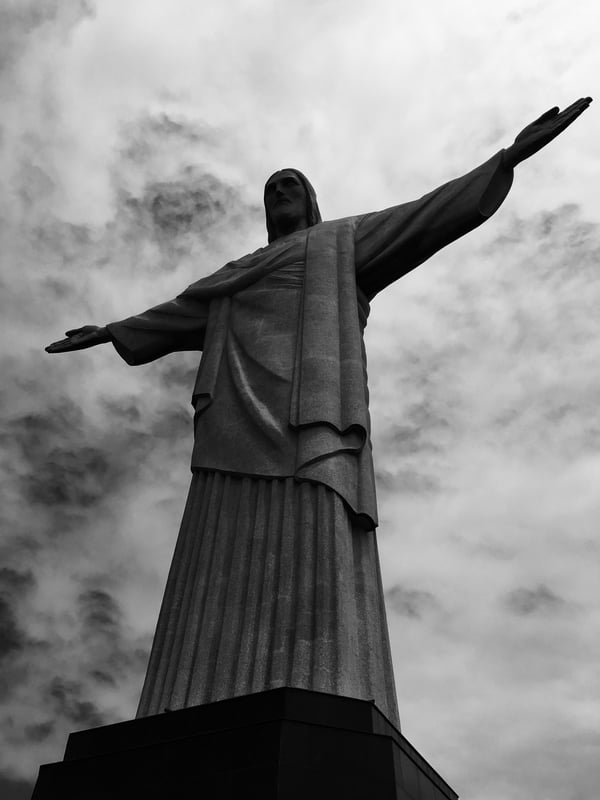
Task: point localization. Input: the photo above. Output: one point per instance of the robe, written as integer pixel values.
(283, 490)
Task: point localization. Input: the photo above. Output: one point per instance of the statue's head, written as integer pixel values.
(290, 203)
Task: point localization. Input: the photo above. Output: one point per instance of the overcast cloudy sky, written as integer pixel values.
(135, 139)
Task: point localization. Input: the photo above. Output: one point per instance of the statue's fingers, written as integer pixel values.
(582, 103)
(58, 347)
(572, 106)
(547, 115)
(74, 332)
(576, 108)
(570, 114)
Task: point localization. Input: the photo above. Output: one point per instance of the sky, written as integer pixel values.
(135, 139)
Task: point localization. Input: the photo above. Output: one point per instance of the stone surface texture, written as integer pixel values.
(298, 601)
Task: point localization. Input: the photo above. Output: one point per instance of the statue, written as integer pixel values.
(275, 579)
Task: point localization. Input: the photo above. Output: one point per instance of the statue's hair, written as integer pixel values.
(313, 215)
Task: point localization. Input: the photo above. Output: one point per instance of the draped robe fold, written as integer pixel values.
(281, 400)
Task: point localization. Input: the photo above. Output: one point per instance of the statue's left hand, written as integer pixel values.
(543, 130)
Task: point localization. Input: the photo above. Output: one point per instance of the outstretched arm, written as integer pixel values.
(80, 339)
(390, 243)
(542, 130)
(176, 325)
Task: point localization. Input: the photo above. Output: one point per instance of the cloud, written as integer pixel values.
(15, 789)
(40, 732)
(13, 585)
(532, 601)
(11, 638)
(414, 603)
(99, 612)
(19, 22)
(64, 697)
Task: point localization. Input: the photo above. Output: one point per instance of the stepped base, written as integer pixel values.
(284, 744)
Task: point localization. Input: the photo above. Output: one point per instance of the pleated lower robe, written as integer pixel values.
(270, 586)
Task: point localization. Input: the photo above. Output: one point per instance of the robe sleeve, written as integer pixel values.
(390, 243)
(177, 325)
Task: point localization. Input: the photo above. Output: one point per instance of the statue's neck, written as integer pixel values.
(285, 227)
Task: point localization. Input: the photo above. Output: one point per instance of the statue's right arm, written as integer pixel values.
(179, 324)
(80, 339)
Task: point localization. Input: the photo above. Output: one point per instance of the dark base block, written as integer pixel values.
(285, 744)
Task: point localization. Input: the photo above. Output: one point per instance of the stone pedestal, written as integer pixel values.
(284, 744)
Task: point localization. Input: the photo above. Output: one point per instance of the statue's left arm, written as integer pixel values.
(392, 242)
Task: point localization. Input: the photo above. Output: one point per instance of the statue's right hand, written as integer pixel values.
(80, 339)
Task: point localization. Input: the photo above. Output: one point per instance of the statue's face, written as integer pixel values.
(285, 201)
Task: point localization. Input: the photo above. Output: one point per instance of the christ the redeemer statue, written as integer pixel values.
(275, 579)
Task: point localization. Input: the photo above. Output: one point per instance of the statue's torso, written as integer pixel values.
(246, 428)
